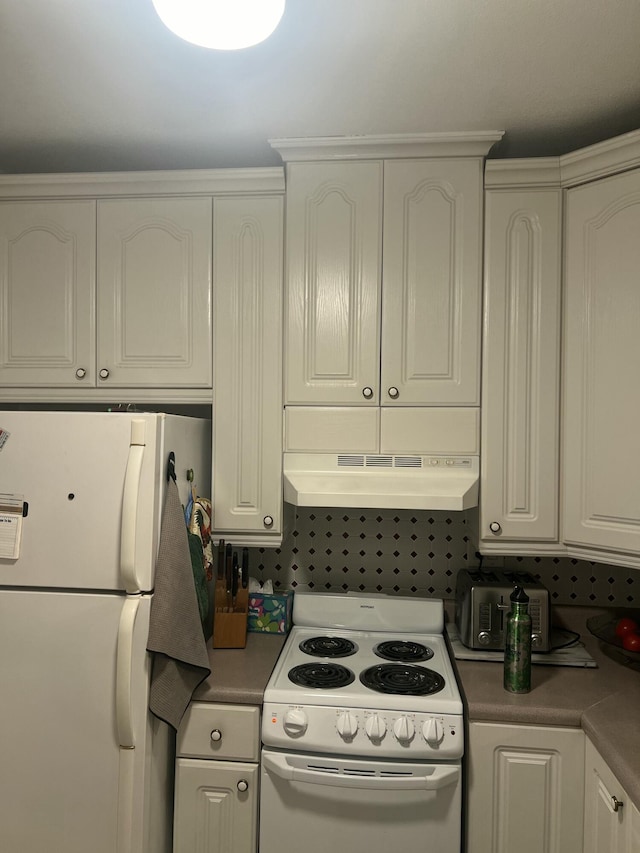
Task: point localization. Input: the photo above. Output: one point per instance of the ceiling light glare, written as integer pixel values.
(221, 24)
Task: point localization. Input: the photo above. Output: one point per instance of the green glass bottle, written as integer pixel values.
(517, 650)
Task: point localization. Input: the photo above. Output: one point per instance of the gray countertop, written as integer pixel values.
(239, 676)
(604, 701)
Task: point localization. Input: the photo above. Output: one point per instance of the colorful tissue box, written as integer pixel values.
(270, 613)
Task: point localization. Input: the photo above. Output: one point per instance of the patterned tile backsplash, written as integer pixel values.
(418, 552)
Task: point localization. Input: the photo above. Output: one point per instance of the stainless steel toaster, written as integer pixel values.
(482, 604)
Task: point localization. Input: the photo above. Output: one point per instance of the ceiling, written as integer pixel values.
(88, 85)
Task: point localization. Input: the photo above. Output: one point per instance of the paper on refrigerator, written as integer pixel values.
(11, 509)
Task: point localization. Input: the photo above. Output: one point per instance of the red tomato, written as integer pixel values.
(631, 642)
(626, 626)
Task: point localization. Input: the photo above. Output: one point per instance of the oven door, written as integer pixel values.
(343, 805)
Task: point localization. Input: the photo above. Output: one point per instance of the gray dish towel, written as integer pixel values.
(176, 639)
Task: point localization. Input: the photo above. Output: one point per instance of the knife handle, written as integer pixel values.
(221, 553)
(245, 568)
(234, 578)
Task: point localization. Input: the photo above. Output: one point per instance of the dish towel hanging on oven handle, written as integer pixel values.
(176, 639)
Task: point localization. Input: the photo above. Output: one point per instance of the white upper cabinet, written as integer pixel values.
(334, 253)
(521, 367)
(560, 471)
(602, 368)
(384, 248)
(431, 282)
(47, 292)
(154, 292)
(247, 388)
(105, 282)
(133, 311)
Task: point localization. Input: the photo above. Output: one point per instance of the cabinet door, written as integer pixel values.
(521, 366)
(47, 280)
(633, 839)
(607, 821)
(431, 283)
(334, 220)
(154, 292)
(247, 449)
(525, 789)
(602, 366)
(216, 807)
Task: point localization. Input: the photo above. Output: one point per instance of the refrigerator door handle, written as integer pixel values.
(124, 658)
(132, 478)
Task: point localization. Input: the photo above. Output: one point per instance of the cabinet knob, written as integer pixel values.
(495, 527)
(216, 735)
(81, 373)
(104, 373)
(393, 392)
(243, 786)
(268, 521)
(617, 804)
(367, 392)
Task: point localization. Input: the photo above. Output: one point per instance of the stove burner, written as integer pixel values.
(321, 675)
(402, 679)
(403, 651)
(328, 647)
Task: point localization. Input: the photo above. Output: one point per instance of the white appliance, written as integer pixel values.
(84, 765)
(381, 481)
(362, 730)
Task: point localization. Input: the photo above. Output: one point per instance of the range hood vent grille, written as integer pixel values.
(356, 460)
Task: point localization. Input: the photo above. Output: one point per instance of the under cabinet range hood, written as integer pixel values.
(374, 481)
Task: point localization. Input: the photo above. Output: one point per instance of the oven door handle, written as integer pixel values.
(440, 778)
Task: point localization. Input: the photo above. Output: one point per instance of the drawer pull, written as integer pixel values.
(216, 735)
(617, 804)
(243, 786)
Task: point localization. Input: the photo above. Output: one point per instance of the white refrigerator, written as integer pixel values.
(84, 766)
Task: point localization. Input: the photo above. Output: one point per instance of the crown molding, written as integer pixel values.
(600, 160)
(462, 144)
(526, 172)
(187, 182)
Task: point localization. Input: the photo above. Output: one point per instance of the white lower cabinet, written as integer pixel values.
(611, 821)
(524, 789)
(216, 794)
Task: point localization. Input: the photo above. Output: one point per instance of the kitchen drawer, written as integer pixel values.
(238, 725)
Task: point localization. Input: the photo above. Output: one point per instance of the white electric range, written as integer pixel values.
(362, 727)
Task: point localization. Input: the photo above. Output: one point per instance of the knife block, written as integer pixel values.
(229, 619)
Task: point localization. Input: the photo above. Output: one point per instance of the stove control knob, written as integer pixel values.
(375, 727)
(347, 725)
(433, 732)
(295, 722)
(403, 729)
